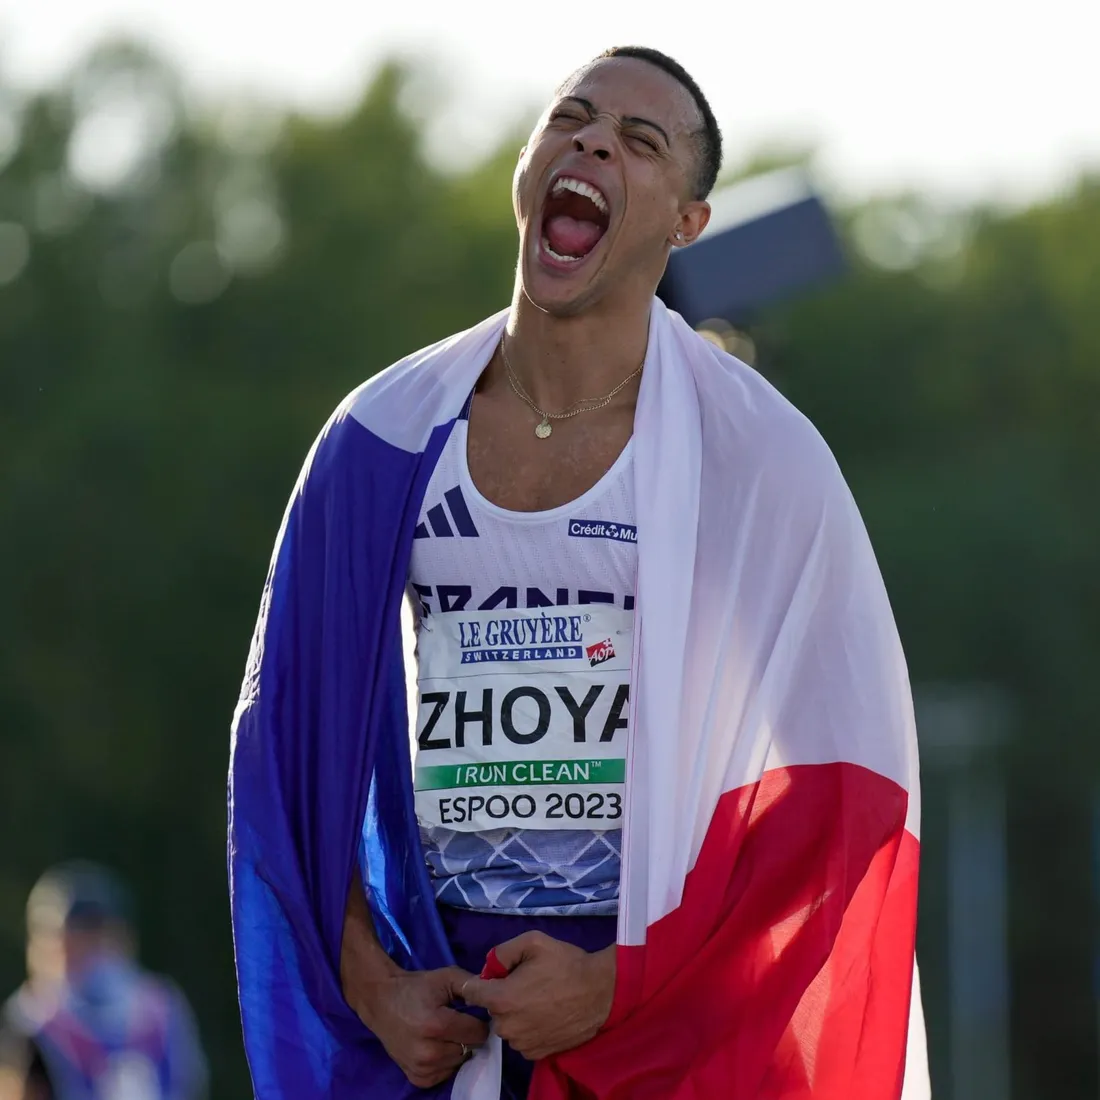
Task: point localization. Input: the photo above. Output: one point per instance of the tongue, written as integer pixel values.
(571, 237)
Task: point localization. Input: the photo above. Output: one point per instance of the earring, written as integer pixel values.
(679, 235)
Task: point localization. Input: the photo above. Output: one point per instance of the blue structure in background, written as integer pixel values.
(769, 237)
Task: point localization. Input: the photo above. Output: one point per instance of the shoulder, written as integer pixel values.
(404, 402)
(771, 489)
(399, 408)
(756, 435)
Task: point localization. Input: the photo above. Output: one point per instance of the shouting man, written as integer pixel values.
(655, 836)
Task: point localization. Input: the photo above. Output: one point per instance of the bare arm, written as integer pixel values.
(407, 1010)
(363, 963)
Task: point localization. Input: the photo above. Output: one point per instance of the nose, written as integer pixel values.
(595, 140)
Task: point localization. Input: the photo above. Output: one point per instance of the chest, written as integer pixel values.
(470, 553)
(515, 470)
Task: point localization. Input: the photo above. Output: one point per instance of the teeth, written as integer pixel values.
(567, 183)
(562, 259)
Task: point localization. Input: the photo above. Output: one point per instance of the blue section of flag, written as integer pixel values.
(309, 798)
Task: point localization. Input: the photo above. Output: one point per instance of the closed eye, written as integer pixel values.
(568, 116)
(644, 140)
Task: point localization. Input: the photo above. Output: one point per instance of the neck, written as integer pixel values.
(562, 360)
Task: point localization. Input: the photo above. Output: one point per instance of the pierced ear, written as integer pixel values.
(693, 220)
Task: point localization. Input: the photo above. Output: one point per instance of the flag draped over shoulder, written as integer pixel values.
(768, 894)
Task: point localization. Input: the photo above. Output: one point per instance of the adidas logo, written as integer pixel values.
(442, 526)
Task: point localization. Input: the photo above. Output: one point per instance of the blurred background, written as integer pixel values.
(217, 219)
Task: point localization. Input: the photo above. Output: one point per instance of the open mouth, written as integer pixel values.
(574, 218)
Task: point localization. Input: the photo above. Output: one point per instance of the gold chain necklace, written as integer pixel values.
(590, 404)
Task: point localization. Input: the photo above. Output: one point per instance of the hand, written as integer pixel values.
(555, 998)
(408, 1013)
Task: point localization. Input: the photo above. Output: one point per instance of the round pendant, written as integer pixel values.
(544, 429)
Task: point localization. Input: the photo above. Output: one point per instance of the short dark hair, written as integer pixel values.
(708, 140)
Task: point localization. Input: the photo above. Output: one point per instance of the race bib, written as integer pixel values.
(522, 718)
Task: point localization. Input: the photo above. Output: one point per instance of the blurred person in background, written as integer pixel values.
(664, 854)
(89, 1023)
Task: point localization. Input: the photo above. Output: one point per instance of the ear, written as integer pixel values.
(693, 220)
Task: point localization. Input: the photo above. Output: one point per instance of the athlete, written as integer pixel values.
(89, 1024)
(616, 174)
(530, 487)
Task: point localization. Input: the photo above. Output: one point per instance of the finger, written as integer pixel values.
(483, 993)
(512, 952)
(433, 1063)
(462, 1028)
(454, 978)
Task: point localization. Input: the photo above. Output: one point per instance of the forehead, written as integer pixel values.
(628, 86)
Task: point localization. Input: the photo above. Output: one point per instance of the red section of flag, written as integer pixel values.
(785, 973)
(493, 967)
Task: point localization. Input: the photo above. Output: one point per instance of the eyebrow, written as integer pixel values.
(627, 120)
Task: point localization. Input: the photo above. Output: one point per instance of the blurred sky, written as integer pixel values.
(964, 97)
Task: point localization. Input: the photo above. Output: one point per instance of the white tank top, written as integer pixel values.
(568, 578)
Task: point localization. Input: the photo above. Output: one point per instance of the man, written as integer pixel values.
(664, 776)
(89, 1024)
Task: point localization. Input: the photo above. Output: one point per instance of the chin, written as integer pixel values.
(558, 306)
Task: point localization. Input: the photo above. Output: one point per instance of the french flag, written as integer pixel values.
(771, 828)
